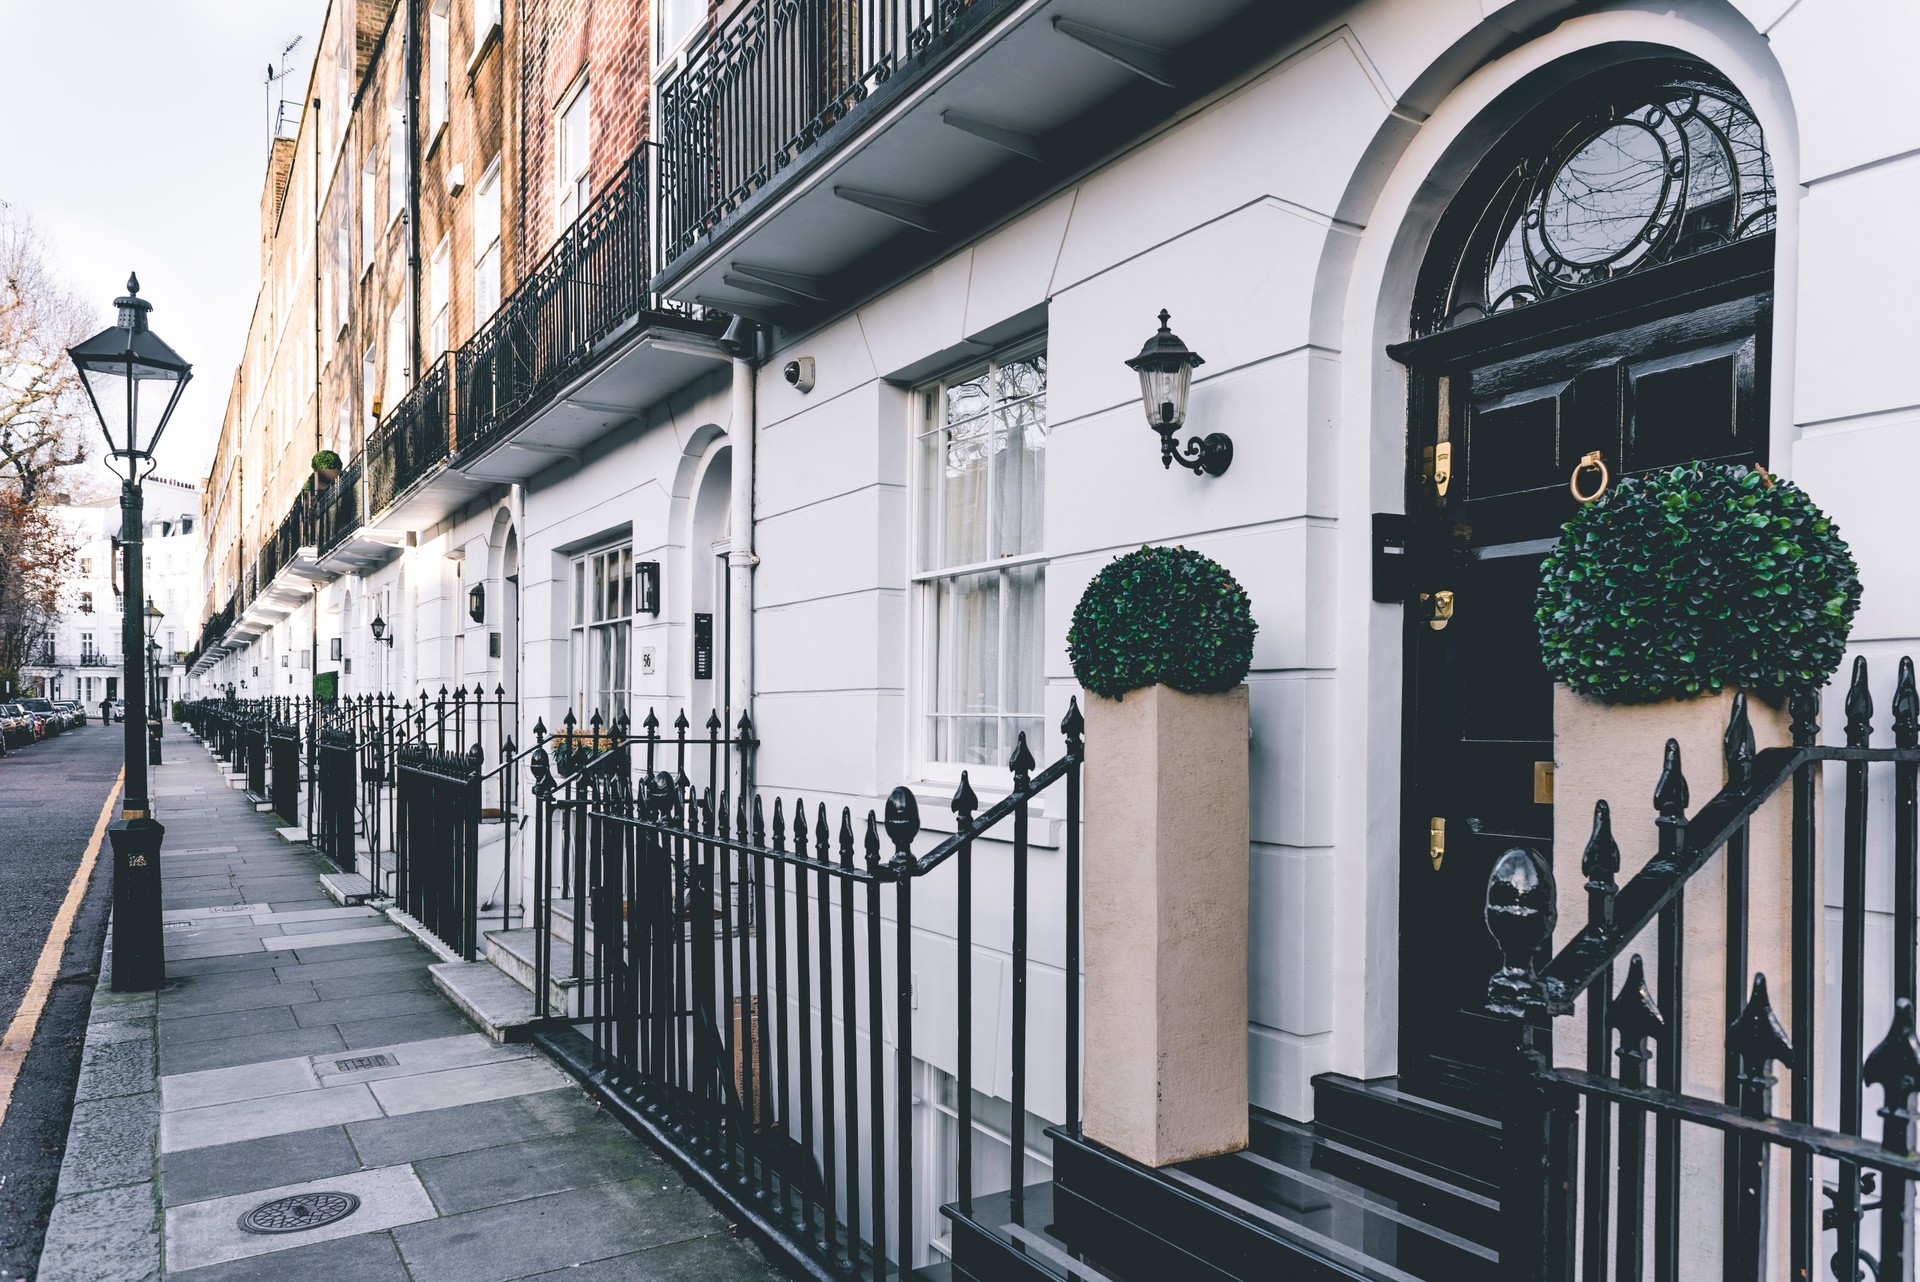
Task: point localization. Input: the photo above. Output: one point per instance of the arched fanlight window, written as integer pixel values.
(1617, 175)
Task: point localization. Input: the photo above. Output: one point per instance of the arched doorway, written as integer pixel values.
(709, 591)
(1601, 286)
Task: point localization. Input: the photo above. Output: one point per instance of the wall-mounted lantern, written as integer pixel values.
(380, 636)
(646, 587)
(1165, 366)
(477, 603)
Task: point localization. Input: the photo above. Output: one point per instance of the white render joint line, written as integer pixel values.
(1865, 166)
(1853, 422)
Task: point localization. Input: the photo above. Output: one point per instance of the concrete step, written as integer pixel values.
(498, 1006)
(346, 888)
(512, 952)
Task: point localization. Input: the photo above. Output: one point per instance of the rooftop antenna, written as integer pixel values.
(278, 102)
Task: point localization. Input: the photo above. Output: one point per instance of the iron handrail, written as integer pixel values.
(1590, 954)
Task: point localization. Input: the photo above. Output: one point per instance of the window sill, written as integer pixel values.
(439, 131)
(1046, 822)
(488, 39)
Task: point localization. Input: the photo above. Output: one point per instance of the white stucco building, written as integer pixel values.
(1512, 232)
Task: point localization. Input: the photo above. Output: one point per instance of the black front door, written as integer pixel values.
(1518, 403)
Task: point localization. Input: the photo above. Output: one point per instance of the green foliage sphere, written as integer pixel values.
(1694, 579)
(1161, 616)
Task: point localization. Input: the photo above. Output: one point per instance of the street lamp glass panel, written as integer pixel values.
(132, 377)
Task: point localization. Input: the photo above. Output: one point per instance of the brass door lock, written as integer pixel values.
(1436, 841)
(1439, 608)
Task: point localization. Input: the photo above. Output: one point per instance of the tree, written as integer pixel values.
(36, 554)
(42, 406)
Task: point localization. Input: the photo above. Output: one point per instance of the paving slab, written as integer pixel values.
(254, 1118)
(199, 1174)
(227, 1052)
(201, 1233)
(368, 1257)
(466, 1127)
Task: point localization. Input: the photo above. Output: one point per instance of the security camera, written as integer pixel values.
(800, 373)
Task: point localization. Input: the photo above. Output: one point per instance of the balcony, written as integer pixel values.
(49, 658)
(409, 485)
(814, 150)
(581, 346)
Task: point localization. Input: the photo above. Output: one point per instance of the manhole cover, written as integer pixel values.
(300, 1212)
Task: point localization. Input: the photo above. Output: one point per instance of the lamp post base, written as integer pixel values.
(139, 946)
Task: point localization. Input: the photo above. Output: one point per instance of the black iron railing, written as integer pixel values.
(253, 752)
(589, 285)
(437, 840)
(1733, 1149)
(339, 508)
(337, 761)
(84, 659)
(412, 441)
(730, 967)
(774, 79)
(283, 745)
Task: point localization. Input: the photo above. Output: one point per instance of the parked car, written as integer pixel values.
(76, 712)
(47, 720)
(16, 725)
(119, 709)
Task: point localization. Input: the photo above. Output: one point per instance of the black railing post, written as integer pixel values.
(1600, 862)
(1804, 706)
(1757, 1039)
(903, 825)
(1537, 1192)
(1847, 1210)
(964, 805)
(1894, 1066)
(1072, 728)
(1636, 1018)
(1670, 797)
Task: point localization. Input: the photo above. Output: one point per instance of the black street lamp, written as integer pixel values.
(154, 719)
(133, 381)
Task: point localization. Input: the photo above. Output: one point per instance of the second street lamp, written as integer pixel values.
(154, 721)
(133, 380)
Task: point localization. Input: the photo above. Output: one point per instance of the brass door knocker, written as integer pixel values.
(1592, 462)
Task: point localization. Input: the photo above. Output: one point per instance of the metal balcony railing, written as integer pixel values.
(774, 79)
(591, 283)
(412, 441)
(82, 659)
(339, 508)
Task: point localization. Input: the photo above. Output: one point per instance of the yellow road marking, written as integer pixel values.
(19, 1035)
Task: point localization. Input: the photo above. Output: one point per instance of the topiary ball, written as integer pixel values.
(1161, 616)
(1691, 580)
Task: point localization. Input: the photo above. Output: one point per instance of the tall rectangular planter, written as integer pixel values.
(1166, 894)
(1616, 753)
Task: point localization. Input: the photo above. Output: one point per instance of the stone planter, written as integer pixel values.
(1615, 753)
(1165, 892)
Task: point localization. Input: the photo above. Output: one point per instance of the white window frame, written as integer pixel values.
(669, 45)
(486, 252)
(439, 68)
(487, 17)
(369, 207)
(397, 150)
(924, 638)
(398, 376)
(343, 275)
(572, 175)
(937, 1133)
(437, 280)
(369, 371)
(600, 591)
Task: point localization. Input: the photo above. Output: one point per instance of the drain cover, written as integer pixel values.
(364, 1062)
(300, 1212)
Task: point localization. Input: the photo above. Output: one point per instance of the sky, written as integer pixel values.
(134, 134)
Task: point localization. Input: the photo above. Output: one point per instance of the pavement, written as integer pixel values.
(50, 799)
(301, 1064)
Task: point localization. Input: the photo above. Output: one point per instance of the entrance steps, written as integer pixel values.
(1346, 1197)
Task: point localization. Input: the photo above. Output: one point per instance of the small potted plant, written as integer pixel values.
(1162, 640)
(1678, 597)
(326, 466)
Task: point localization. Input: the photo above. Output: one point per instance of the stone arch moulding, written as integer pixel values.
(1365, 290)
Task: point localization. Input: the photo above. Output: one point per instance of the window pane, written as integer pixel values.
(1025, 607)
(1020, 445)
(964, 464)
(579, 591)
(599, 589)
(626, 583)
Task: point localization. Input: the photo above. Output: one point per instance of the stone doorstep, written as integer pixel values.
(411, 924)
(490, 999)
(348, 889)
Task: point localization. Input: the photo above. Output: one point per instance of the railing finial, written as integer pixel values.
(1021, 762)
(1894, 1066)
(1670, 795)
(903, 822)
(1520, 915)
(1634, 1015)
(964, 803)
(1859, 705)
(1906, 707)
(1737, 745)
(1600, 863)
(1758, 1039)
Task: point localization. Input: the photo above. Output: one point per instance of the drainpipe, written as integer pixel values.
(410, 69)
(744, 341)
